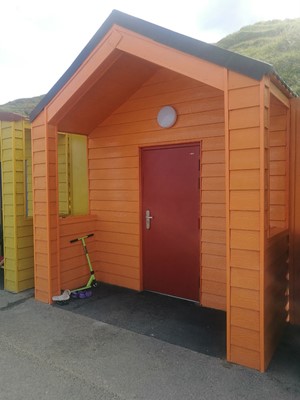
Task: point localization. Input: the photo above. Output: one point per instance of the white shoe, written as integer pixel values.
(63, 297)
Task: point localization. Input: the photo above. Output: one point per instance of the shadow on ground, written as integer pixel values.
(1, 278)
(173, 320)
(179, 322)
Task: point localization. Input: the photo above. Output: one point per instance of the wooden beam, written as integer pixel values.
(175, 60)
(276, 92)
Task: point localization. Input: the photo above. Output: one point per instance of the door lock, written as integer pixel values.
(148, 219)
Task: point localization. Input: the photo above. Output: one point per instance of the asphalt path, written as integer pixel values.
(50, 353)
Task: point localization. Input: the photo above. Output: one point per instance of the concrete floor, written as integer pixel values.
(170, 319)
(51, 353)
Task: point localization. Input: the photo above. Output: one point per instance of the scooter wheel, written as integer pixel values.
(95, 284)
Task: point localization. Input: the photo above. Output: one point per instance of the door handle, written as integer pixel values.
(148, 219)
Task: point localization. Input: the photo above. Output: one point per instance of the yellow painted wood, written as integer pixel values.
(78, 174)
(17, 229)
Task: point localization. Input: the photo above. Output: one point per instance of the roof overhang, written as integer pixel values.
(121, 56)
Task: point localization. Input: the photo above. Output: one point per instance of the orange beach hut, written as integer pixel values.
(190, 186)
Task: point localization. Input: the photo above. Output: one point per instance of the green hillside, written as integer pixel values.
(276, 42)
(21, 106)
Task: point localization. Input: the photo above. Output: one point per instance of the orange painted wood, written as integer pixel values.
(247, 138)
(246, 220)
(210, 170)
(245, 278)
(213, 157)
(213, 301)
(245, 338)
(119, 280)
(245, 240)
(277, 138)
(116, 163)
(238, 181)
(213, 236)
(243, 318)
(244, 159)
(213, 261)
(213, 183)
(276, 286)
(118, 216)
(244, 97)
(278, 168)
(129, 206)
(121, 270)
(213, 197)
(212, 287)
(236, 81)
(182, 63)
(244, 200)
(244, 118)
(113, 195)
(218, 224)
(213, 274)
(114, 173)
(119, 259)
(245, 298)
(243, 172)
(247, 357)
(116, 184)
(118, 238)
(213, 143)
(294, 269)
(121, 249)
(213, 249)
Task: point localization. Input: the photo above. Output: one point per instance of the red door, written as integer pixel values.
(170, 215)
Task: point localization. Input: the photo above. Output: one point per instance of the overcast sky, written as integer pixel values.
(39, 39)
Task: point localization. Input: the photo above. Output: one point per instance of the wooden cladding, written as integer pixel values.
(278, 166)
(114, 177)
(17, 229)
(243, 135)
(294, 265)
(243, 183)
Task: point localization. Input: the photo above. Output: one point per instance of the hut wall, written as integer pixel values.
(73, 264)
(276, 291)
(114, 177)
(294, 272)
(45, 213)
(277, 242)
(244, 247)
(18, 240)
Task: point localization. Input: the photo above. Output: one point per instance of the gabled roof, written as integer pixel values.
(244, 65)
(10, 116)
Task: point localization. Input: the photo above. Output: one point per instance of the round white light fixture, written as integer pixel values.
(166, 117)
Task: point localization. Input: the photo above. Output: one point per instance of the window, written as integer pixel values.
(72, 174)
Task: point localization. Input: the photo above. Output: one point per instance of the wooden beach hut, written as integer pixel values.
(16, 222)
(16, 202)
(188, 150)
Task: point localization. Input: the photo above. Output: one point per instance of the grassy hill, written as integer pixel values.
(21, 106)
(276, 42)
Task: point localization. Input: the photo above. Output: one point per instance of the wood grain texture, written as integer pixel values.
(114, 174)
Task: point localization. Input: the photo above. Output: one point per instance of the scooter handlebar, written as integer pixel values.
(83, 237)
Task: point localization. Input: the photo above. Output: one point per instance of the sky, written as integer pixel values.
(39, 39)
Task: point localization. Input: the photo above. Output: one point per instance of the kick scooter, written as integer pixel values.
(83, 291)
